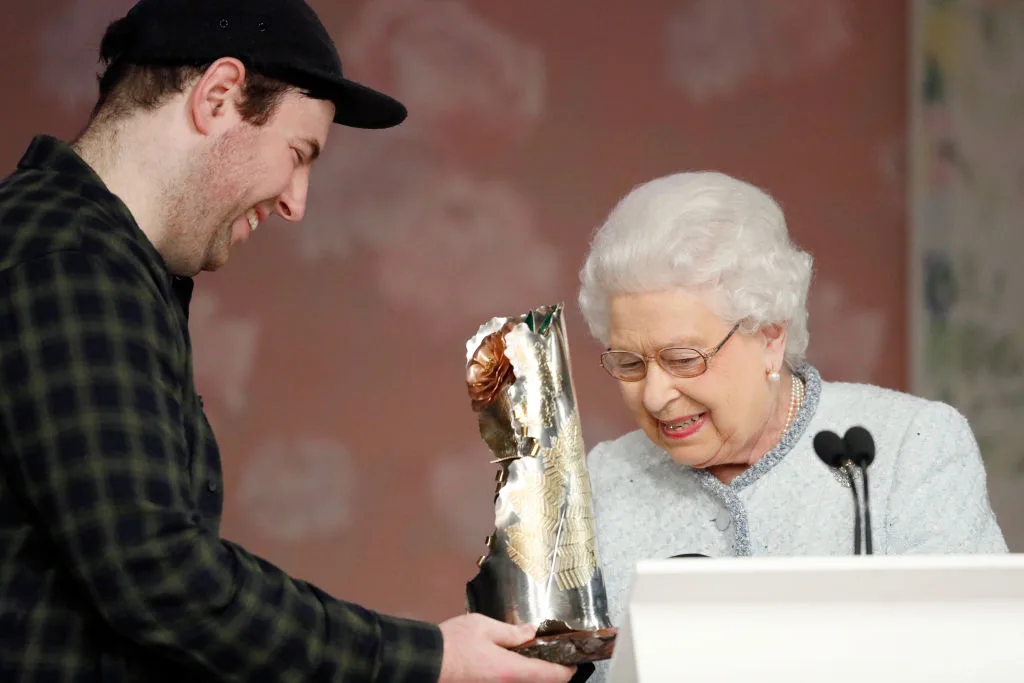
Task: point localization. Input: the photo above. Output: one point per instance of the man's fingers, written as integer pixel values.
(533, 670)
(510, 635)
(539, 671)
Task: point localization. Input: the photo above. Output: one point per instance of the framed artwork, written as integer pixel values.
(966, 204)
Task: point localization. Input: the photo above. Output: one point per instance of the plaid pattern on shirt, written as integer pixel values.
(111, 564)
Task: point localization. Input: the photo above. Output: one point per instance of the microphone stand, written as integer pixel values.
(848, 467)
(854, 451)
(860, 450)
(867, 510)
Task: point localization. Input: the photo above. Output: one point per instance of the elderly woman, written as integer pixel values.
(695, 289)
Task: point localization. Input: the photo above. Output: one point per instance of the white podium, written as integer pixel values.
(863, 619)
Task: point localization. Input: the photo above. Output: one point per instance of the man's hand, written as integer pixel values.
(475, 651)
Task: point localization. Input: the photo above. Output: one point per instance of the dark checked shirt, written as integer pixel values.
(112, 568)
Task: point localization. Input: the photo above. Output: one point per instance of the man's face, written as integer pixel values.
(247, 174)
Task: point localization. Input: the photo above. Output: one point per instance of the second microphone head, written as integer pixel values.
(860, 446)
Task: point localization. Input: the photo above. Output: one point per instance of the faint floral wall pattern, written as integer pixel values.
(67, 50)
(848, 341)
(968, 204)
(432, 215)
(480, 243)
(225, 349)
(299, 489)
(330, 354)
(715, 46)
(475, 89)
(460, 499)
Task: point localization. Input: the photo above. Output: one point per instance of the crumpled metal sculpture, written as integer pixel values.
(541, 563)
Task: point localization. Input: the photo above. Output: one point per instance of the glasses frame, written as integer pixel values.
(656, 356)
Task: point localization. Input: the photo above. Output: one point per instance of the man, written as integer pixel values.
(210, 116)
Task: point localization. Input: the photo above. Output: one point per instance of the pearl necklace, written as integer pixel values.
(796, 401)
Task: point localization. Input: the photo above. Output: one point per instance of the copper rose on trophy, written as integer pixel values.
(541, 561)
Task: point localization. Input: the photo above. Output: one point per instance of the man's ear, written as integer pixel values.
(213, 101)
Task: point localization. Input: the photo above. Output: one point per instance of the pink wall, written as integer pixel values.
(331, 354)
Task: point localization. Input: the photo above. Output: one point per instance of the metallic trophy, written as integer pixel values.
(541, 565)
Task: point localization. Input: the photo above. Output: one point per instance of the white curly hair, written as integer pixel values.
(705, 233)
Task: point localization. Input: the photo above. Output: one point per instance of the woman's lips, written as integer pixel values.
(683, 427)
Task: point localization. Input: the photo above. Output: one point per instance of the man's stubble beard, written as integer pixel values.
(199, 220)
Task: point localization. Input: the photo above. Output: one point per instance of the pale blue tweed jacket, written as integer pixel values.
(927, 487)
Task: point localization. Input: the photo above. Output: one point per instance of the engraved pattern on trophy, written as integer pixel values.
(554, 539)
(541, 562)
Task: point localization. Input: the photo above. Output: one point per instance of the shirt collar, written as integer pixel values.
(47, 153)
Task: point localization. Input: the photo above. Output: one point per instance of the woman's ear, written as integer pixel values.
(774, 336)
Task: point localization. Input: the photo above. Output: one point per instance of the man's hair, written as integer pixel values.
(126, 88)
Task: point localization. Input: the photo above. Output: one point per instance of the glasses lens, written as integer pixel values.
(682, 362)
(624, 365)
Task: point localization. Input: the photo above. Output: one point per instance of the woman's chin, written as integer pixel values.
(690, 455)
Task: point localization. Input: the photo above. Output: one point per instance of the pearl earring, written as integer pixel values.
(774, 376)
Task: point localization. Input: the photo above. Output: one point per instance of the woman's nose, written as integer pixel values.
(659, 388)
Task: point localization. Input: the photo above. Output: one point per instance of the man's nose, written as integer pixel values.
(291, 204)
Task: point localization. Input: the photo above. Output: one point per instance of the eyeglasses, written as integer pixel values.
(678, 361)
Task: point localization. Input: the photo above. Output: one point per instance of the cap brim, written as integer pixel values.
(355, 105)
(358, 106)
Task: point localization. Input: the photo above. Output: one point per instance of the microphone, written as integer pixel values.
(833, 452)
(861, 449)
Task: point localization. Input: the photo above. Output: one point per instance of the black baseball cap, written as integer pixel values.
(281, 39)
